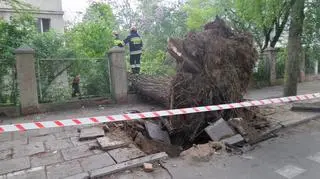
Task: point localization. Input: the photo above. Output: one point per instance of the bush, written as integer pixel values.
(154, 63)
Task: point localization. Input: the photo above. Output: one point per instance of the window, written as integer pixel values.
(43, 25)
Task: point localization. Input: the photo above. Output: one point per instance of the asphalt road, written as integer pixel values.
(295, 154)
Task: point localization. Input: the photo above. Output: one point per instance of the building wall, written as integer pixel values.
(50, 9)
(44, 5)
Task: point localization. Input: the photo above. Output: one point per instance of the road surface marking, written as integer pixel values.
(315, 157)
(290, 171)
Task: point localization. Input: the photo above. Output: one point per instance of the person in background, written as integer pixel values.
(75, 86)
(135, 45)
(117, 42)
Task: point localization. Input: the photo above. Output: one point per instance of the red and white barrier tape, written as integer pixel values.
(155, 114)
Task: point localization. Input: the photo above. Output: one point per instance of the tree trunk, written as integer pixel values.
(294, 48)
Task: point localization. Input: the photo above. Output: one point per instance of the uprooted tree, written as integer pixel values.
(213, 67)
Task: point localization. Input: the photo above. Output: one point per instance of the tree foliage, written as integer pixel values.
(93, 36)
(13, 34)
(264, 18)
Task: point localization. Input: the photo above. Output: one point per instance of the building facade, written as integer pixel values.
(48, 13)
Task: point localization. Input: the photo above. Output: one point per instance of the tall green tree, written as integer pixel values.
(266, 19)
(311, 33)
(93, 36)
(294, 48)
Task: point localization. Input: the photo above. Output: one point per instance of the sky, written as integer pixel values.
(72, 8)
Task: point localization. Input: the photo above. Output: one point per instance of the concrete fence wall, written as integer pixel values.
(270, 55)
(27, 81)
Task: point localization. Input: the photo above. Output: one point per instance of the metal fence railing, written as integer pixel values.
(55, 78)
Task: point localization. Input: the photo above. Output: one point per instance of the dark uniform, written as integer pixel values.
(75, 86)
(135, 46)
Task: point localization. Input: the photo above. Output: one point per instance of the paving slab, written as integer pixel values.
(156, 133)
(79, 176)
(67, 134)
(5, 154)
(13, 165)
(127, 165)
(75, 141)
(234, 140)
(27, 150)
(41, 132)
(76, 152)
(96, 162)
(5, 137)
(63, 170)
(20, 135)
(107, 144)
(47, 158)
(58, 144)
(44, 138)
(33, 173)
(91, 133)
(219, 130)
(11, 144)
(125, 154)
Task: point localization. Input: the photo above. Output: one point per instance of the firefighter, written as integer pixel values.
(135, 45)
(117, 42)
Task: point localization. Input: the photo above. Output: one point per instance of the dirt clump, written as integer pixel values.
(203, 152)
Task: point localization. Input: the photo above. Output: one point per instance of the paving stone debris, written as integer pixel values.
(127, 165)
(200, 153)
(91, 133)
(107, 144)
(126, 154)
(148, 167)
(151, 146)
(96, 162)
(234, 140)
(156, 133)
(219, 130)
(238, 125)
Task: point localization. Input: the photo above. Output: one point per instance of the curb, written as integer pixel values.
(278, 126)
(294, 123)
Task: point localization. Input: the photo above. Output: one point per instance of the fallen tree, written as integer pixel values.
(213, 67)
